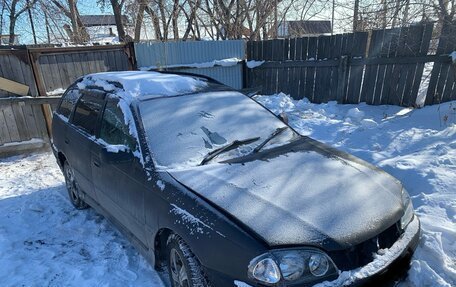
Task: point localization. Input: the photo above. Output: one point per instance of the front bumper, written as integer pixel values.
(402, 248)
(384, 260)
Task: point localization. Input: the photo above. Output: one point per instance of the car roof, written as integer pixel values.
(145, 85)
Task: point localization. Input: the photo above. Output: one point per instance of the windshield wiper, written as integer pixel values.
(275, 133)
(225, 148)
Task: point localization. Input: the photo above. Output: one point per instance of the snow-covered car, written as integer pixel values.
(209, 184)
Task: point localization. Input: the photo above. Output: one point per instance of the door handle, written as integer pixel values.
(67, 141)
(96, 163)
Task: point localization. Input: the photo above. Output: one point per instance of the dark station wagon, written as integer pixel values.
(210, 185)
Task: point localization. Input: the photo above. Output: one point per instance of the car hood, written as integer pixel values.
(306, 194)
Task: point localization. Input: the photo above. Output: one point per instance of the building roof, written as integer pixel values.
(100, 20)
(308, 27)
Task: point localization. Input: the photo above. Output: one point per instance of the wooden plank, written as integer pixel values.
(451, 79)
(425, 43)
(30, 121)
(85, 65)
(301, 73)
(336, 53)
(293, 86)
(389, 81)
(77, 71)
(13, 87)
(399, 71)
(356, 72)
(21, 124)
(371, 73)
(268, 74)
(11, 123)
(323, 75)
(310, 74)
(30, 100)
(15, 69)
(4, 133)
(277, 55)
(58, 78)
(414, 45)
(64, 75)
(46, 73)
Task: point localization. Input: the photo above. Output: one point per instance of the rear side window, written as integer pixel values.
(69, 100)
(113, 130)
(87, 110)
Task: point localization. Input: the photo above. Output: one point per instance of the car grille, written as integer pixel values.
(361, 254)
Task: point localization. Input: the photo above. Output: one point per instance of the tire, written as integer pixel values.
(72, 186)
(183, 267)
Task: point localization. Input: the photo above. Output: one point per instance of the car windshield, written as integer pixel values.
(181, 131)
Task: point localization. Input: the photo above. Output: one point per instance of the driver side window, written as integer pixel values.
(113, 130)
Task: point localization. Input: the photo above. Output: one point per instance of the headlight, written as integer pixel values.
(265, 271)
(408, 206)
(307, 265)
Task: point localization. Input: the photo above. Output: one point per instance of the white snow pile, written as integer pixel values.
(144, 84)
(224, 63)
(253, 64)
(417, 146)
(56, 92)
(44, 241)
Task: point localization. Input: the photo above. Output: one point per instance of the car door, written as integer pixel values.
(79, 137)
(118, 173)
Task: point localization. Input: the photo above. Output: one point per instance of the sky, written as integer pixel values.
(90, 7)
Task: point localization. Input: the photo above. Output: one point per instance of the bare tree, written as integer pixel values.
(15, 9)
(77, 32)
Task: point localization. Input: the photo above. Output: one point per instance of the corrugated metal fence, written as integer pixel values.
(181, 56)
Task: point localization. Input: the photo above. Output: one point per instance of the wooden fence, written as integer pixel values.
(48, 71)
(381, 67)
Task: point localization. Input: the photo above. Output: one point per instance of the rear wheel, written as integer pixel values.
(72, 186)
(184, 268)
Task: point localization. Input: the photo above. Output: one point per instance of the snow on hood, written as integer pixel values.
(145, 84)
(306, 197)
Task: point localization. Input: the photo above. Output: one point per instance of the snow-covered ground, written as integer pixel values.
(45, 242)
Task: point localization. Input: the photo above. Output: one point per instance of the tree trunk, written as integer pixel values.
(12, 37)
(139, 20)
(155, 23)
(117, 10)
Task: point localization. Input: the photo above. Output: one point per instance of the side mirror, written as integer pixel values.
(116, 155)
(283, 117)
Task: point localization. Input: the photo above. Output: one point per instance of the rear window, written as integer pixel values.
(87, 110)
(68, 102)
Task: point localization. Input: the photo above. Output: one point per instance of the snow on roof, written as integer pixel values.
(144, 84)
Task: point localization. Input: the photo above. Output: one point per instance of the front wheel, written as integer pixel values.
(184, 268)
(72, 186)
